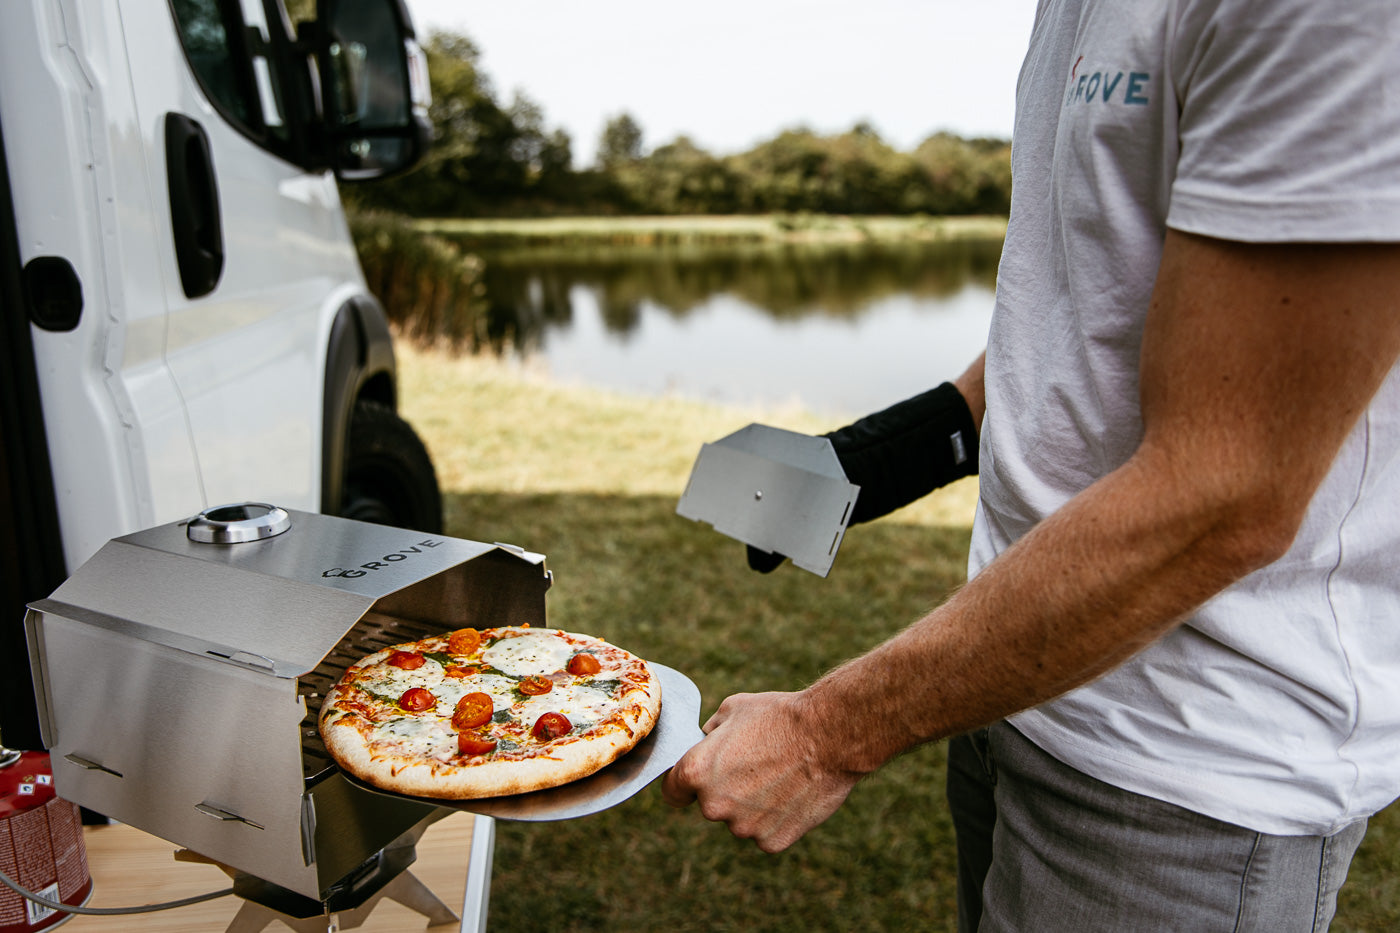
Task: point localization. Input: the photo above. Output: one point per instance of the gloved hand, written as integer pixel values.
(763, 561)
(899, 455)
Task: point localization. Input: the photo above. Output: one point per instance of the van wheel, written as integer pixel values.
(389, 477)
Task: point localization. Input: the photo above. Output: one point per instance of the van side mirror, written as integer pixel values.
(374, 87)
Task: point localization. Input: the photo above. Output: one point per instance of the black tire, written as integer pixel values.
(389, 477)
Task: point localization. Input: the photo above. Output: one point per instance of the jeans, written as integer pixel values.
(1043, 847)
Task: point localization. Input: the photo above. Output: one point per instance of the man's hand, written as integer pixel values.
(760, 771)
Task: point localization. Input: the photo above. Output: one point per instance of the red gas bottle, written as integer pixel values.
(41, 844)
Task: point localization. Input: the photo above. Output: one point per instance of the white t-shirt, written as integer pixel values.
(1277, 706)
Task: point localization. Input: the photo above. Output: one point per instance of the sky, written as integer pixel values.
(732, 73)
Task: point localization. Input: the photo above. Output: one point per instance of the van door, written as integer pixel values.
(216, 106)
(119, 445)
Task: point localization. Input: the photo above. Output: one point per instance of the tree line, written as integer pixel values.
(495, 158)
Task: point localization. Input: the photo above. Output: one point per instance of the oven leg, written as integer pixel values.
(407, 889)
(415, 895)
(478, 893)
(251, 918)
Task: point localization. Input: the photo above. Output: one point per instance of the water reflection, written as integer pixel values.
(843, 328)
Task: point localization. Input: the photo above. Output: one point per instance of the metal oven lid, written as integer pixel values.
(778, 491)
(277, 603)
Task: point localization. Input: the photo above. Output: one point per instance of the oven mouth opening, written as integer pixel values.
(374, 632)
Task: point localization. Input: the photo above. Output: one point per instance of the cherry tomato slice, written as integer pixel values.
(408, 660)
(464, 641)
(474, 709)
(551, 726)
(535, 685)
(468, 744)
(417, 699)
(460, 672)
(583, 664)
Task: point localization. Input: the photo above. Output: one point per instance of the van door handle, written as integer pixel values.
(194, 205)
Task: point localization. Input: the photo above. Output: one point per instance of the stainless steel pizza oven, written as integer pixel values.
(180, 671)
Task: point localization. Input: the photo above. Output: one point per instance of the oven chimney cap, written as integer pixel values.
(238, 523)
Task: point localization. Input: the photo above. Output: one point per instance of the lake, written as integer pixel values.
(837, 329)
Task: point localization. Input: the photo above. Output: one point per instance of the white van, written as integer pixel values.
(185, 320)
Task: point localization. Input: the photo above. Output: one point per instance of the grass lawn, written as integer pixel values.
(591, 480)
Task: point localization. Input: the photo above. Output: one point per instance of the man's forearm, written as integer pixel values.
(972, 386)
(1086, 589)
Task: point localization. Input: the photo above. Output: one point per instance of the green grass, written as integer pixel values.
(591, 479)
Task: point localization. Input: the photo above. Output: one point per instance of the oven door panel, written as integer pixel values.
(199, 752)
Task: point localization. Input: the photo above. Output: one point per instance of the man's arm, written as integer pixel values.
(1256, 362)
(972, 386)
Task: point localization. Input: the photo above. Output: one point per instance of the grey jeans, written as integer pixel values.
(1043, 847)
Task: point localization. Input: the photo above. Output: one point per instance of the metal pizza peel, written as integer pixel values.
(676, 731)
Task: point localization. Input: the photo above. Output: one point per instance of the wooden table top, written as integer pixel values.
(133, 868)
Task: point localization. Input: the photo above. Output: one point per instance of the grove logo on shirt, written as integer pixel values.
(1107, 86)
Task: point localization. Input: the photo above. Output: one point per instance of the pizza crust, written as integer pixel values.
(420, 766)
(492, 778)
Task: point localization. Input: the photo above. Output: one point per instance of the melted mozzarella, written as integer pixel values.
(392, 681)
(420, 738)
(580, 704)
(530, 653)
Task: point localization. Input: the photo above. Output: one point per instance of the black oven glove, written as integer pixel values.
(899, 455)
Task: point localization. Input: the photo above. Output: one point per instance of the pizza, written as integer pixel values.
(471, 714)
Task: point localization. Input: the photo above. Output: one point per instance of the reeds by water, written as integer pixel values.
(431, 289)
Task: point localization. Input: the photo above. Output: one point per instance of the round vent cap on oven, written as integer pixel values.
(239, 523)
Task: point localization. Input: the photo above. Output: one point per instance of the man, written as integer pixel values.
(1182, 623)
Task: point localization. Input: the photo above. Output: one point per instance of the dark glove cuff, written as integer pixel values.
(908, 450)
